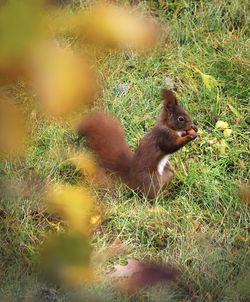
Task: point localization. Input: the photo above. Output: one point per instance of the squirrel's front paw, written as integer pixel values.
(192, 136)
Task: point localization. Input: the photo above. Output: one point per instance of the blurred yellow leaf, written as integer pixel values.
(221, 125)
(20, 25)
(76, 275)
(65, 258)
(119, 26)
(95, 219)
(63, 21)
(75, 204)
(63, 80)
(13, 131)
(227, 132)
(86, 164)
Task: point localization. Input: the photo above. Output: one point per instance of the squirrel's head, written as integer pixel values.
(173, 114)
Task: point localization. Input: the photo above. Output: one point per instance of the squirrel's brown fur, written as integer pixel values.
(141, 170)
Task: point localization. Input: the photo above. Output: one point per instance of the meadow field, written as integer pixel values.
(202, 226)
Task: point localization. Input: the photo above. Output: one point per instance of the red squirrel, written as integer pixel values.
(148, 168)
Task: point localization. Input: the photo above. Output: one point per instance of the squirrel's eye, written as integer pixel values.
(181, 119)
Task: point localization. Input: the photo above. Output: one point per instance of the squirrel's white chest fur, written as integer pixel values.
(162, 163)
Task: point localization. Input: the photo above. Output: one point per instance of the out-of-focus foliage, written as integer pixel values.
(45, 47)
(85, 163)
(63, 80)
(65, 258)
(21, 28)
(13, 129)
(74, 203)
(116, 26)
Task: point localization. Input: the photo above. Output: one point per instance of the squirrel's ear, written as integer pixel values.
(168, 97)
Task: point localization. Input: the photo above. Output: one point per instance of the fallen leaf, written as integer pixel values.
(209, 81)
(237, 120)
(234, 110)
(244, 191)
(227, 132)
(221, 125)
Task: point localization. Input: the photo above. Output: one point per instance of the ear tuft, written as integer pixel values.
(168, 97)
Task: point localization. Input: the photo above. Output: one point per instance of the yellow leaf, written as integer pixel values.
(208, 81)
(117, 26)
(95, 219)
(76, 275)
(221, 125)
(13, 132)
(227, 132)
(65, 258)
(74, 204)
(222, 145)
(63, 80)
(25, 18)
(85, 163)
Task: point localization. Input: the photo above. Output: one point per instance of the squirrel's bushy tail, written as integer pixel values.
(106, 137)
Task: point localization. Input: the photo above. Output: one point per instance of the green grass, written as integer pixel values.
(201, 225)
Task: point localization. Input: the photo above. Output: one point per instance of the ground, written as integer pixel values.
(202, 226)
